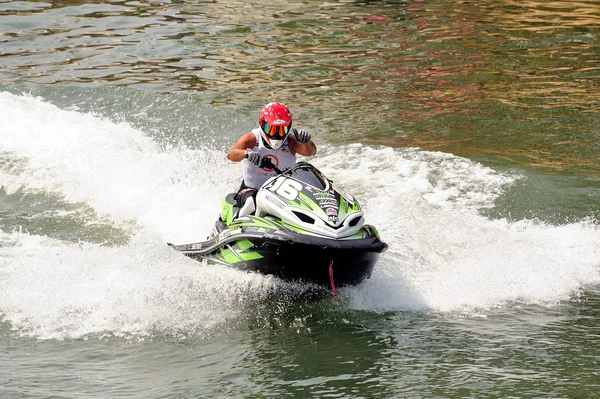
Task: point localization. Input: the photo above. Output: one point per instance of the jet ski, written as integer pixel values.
(304, 229)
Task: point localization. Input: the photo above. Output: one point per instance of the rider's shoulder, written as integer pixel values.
(248, 138)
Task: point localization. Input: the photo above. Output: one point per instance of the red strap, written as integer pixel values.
(331, 280)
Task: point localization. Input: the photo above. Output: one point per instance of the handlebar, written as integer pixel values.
(267, 163)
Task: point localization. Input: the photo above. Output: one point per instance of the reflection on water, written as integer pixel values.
(307, 351)
(498, 78)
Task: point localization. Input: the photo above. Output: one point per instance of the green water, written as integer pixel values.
(493, 78)
(301, 352)
(470, 131)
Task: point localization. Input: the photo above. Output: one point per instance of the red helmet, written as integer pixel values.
(275, 123)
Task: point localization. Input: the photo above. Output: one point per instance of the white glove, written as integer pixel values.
(303, 136)
(253, 157)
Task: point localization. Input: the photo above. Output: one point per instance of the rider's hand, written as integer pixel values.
(253, 157)
(303, 136)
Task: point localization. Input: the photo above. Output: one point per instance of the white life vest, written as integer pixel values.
(283, 158)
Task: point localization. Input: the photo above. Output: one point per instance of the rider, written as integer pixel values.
(271, 139)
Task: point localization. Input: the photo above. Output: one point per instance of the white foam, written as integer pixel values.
(54, 290)
(460, 262)
(442, 179)
(443, 255)
(113, 167)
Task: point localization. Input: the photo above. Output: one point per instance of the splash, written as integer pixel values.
(112, 167)
(454, 261)
(444, 255)
(55, 290)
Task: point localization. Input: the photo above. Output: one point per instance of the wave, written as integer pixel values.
(444, 256)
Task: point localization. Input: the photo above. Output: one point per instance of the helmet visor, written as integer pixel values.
(276, 132)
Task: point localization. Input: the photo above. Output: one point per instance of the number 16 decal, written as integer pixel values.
(287, 188)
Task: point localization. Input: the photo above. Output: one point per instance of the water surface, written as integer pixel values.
(468, 131)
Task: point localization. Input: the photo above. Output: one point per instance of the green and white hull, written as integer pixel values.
(304, 229)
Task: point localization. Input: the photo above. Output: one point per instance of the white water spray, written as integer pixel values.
(443, 255)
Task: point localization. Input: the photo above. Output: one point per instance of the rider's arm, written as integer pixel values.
(307, 149)
(237, 152)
